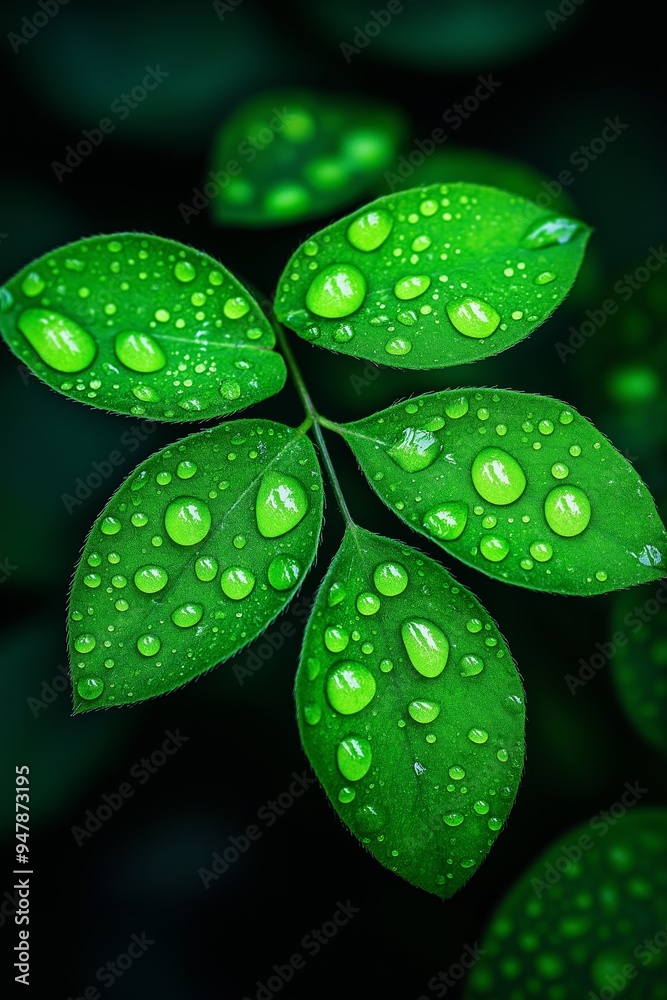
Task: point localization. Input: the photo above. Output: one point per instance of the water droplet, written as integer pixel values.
(32, 285)
(494, 823)
(90, 688)
(350, 687)
(412, 287)
(566, 417)
(545, 278)
(337, 593)
(60, 342)
(456, 772)
(398, 346)
(447, 521)
(567, 510)
(390, 579)
(187, 615)
(186, 469)
(150, 579)
(110, 526)
(370, 819)
(343, 333)
(184, 271)
(478, 736)
(146, 394)
(312, 713)
(148, 645)
(426, 645)
(415, 450)
(471, 665)
(237, 582)
(139, 519)
(346, 795)
(336, 291)
(453, 818)
(229, 389)
(354, 757)
(368, 603)
(600, 576)
(283, 572)
(481, 807)
(386, 666)
(502, 756)
(424, 711)
(549, 233)
(369, 231)
(139, 352)
(206, 569)
(497, 476)
(473, 317)
(187, 520)
(493, 548)
(457, 408)
(92, 580)
(541, 551)
(85, 643)
(281, 504)
(559, 470)
(474, 625)
(236, 307)
(239, 541)
(336, 638)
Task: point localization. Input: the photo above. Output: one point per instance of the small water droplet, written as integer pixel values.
(457, 408)
(336, 638)
(398, 346)
(567, 510)
(559, 470)
(453, 818)
(478, 736)
(206, 569)
(284, 572)
(415, 449)
(85, 643)
(541, 551)
(337, 593)
(368, 603)
(412, 287)
(148, 645)
(370, 230)
(281, 504)
(426, 645)
(139, 352)
(354, 757)
(424, 711)
(549, 233)
(473, 317)
(456, 773)
(545, 278)
(493, 548)
(230, 389)
(184, 271)
(237, 582)
(187, 520)
(471, 665)
(90, 688)
(446, 521)
(150, 579)
(390, 579)
(350, 687)
(187, 615)
(186, 469)
(497, 476)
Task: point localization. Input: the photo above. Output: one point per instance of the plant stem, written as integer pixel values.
(317, 423)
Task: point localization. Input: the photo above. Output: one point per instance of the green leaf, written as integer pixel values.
(141, 325)
(587, 916)
(520, 486)
(637, 652)
(286, 156)
(431, 277)
(200, 548)
(411, 711)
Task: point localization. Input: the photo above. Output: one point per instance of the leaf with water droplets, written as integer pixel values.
(587, 917)
(142, 325)
(411, 711)
(198, 551)
(522, 487)
(432, 277)
(299, 155)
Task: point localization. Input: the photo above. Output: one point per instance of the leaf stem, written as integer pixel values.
(317, 423)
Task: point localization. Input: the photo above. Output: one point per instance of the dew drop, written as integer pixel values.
(283, 572)
(390, 579)
(237, 582)
(187, 615)
(541, 551)
(473, 317)
(90, 688)
(337, 593)
(567, 510)
(230, 389)
(85, 644)
(139, 352)
(478, 736)
(312, 713)
(186, 469)
(456, 773)
(497, 476)
(32, 285)
(206, 569)
(426, 645)
(414, 450)
(368, 603)
(110, 526)
(150, 579)
(148, 645)
(236, 307)
(350, 687)
(398, 346)
(471, 665)
(60, 342)
(447, 521)
(187, 520)
(336, 291)
(453, 818)
(369, 231)
(354, 757)
(549, 233)
(545, 278)
(423, 711)
(412, 287)
(493, 548)
(457, 408)
(336, 638)
(184, 271)
(281, 504)
(559, 470)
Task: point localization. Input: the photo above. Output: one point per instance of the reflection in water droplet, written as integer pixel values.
(473, 317)
(350, 687)
(139, 352)
(370, 230)
(283, 572)
(368, 603)
(390, 579)
(426, 645)
(415, 450)
(471, 665)
(184, 271)
(541, 551)
(497, 476)
(549, 233)
(148, 645)
(60, 342)
(281, 504)
(90, 688)
(453, 818)
(411, 287)
(493, 548)
(237, 582)
(336, 638)
(457, 408)
(150, 579)
(447, 521)
(206, 568)
(478, 736)
(187, 520)
(187, 615)
(354, 757)
(110, 526)
(312, 713)
(337, 291)
(424, 711)
(567, 510)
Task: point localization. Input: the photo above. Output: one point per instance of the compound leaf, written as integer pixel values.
(587, 916)
(432, 277)
(286, 156)
(520, 486)
(200, 548)
(141, 325)
(411, 711)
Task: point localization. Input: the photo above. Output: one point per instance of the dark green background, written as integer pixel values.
(138, 873)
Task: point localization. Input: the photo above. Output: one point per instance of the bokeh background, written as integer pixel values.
(560, 77)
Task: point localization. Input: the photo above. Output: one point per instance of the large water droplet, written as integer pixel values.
(354, 757)
(139, 351)
(90, 688)
(453, 818)
(336, 291)
(187, 615)
(184, 271)
(368, 603)
(478, 736)
(424, 711)
(549, 233)
(447, 521)
(390, 579)
(497, 476)
(237, 582)
(336, 638)
(471, 665)
(60, 342)
(283, 572)
(281, 504)
(426, 645)
(567, 510)
(493, 548)
(206, 568)
(148, 645)
(85, 643)
(473, 317)
(150, 579)
(350, 687)
(110, 525)
(415, 449)
(369, 231)
(187, 520)
(412, 287)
